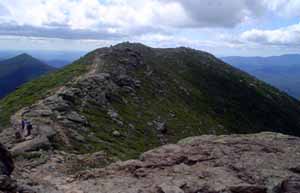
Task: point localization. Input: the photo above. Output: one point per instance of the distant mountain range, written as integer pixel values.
(282, 72)
(18, 70)
(56, 59)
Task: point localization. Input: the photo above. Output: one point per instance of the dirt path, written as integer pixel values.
(17, 117)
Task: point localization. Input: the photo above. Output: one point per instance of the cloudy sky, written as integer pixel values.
(223, 27)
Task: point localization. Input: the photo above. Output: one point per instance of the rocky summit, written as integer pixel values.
(254, 163)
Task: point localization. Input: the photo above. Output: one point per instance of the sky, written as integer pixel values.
(222, 27)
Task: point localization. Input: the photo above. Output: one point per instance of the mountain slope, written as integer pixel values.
(129, 98)
(18, 70)
(280, 71)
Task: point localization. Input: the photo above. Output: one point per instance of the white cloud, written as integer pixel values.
(220, 13)
(203, 24)
(287, 8)
(287, 36)
(131, 17)
(91, 14)
(128, 16)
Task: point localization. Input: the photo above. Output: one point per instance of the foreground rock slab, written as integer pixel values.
(257, 163)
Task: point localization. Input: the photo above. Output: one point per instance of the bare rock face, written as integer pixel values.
(256, 163)
(6, 168)
(6, 163)
(259, 163)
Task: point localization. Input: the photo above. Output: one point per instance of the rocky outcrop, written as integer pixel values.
(6, 163)
(6, 168)
(60, 115)
(257, 163)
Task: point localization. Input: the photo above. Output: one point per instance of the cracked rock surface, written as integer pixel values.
(256, 163)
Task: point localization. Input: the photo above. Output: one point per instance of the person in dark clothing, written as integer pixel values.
(24, 130)
(28, 128)
(20, 130)
(23, 124)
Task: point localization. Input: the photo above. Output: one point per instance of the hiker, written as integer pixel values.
(20, 130)
(24, 130)
(27, 128)
(23, 124)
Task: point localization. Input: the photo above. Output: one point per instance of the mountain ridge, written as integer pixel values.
(130, 98)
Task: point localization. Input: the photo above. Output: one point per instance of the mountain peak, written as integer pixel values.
(129, 44)
(18, 70)
(27, 57)
(136, 45)
(22, 59)
(24, 55)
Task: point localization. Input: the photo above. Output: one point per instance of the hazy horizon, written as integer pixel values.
(82, 52)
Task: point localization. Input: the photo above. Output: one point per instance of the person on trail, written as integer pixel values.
(24, 130)
(20, 129)
(23, 124)
(28, 128)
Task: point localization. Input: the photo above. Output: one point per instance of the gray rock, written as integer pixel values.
(160, 126)
(116, 133)
(74, 116)
(248, 189)
(258, 163)
(164, 188)
(37, 143)
(7, 184)
(6, 163)
(113, 114)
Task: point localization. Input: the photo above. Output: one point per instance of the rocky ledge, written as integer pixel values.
(256, 163)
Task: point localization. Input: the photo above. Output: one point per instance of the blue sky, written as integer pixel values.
(223, 27)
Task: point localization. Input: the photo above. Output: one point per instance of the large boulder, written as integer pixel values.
(6, 168)
(6, 162)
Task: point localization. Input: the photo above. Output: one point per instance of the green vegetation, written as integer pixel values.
(193, 93)
(38, 89)
(188, 91)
